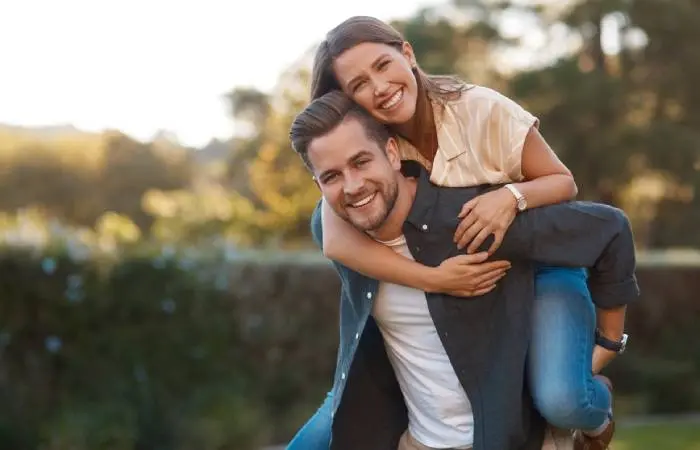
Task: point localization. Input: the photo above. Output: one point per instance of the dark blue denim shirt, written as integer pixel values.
(486, 338)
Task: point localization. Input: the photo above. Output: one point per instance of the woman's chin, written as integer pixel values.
(401, 116)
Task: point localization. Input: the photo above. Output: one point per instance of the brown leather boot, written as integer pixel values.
(602, 441)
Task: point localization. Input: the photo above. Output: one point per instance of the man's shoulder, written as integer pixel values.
(316, 223)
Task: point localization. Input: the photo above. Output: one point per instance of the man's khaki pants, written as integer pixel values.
(554, 439)
(408, 442)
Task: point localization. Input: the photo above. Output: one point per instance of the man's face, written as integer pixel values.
(358, 179)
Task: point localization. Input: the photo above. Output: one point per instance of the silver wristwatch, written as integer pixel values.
(618, 347)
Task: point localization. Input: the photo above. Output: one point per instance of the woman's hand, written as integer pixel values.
(468, 275)
(489, 213)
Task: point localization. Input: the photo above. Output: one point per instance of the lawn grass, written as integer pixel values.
(678, 436)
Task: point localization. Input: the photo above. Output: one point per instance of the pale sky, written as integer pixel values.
(144, 65)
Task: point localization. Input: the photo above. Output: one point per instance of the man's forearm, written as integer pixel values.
(611, 322)
(611, 325)
(579, 234)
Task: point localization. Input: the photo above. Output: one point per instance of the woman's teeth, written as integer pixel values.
(393, 100)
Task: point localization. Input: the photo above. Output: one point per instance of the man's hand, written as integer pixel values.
(468, 275)
(601, 358)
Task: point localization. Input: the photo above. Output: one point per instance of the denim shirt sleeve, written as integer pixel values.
(579, 234)
(317, 225)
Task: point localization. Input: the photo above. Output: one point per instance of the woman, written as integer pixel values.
(469, 135)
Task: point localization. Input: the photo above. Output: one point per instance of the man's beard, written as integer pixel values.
(389, 194)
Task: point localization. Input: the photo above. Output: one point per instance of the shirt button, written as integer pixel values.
(424, 227)
(369, 295)
(357, 336)
(342, 376)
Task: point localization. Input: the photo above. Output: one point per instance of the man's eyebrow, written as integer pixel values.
(360, 154)
(325, 173)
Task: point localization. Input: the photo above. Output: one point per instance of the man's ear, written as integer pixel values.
(408, 53)
(313, 177)
(393, 153)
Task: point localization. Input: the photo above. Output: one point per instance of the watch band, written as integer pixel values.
(521, 203)
(614, 346)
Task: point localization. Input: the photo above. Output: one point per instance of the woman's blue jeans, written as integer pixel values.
(559, 362)
(561, 351)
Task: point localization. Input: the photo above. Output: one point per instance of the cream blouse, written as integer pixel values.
(480, 139)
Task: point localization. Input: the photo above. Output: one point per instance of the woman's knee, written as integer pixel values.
(561, 404)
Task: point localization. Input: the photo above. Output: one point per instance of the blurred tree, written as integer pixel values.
(626, 119)
(248, 105)
(269, 195)
(78, 179)
(130, 169)
(280, 195)
(454, 40)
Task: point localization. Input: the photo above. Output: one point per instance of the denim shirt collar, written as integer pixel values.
(426, 194)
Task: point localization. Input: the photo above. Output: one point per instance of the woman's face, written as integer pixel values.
(379, 78)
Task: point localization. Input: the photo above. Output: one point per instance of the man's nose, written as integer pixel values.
(353, 184)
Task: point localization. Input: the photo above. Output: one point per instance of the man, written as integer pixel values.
(450, 368)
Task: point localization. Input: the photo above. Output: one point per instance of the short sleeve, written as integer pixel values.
(508, 125)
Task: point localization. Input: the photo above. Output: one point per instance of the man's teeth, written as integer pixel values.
(364, 201)
(394, 100)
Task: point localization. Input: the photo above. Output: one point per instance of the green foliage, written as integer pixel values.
(174, 349)
(667, 436)
(167, 351)
(277, 194)
(75, 179)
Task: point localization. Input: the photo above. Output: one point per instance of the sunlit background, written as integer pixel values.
(158, 285)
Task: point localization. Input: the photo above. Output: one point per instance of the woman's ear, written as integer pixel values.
(408, 53)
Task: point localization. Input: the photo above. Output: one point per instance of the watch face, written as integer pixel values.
(623, 345)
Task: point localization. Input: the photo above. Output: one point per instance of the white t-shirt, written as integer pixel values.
(439, 412)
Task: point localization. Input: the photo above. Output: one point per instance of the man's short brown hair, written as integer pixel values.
(324, 114)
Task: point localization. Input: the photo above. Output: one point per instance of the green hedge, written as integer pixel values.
(181, 352)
